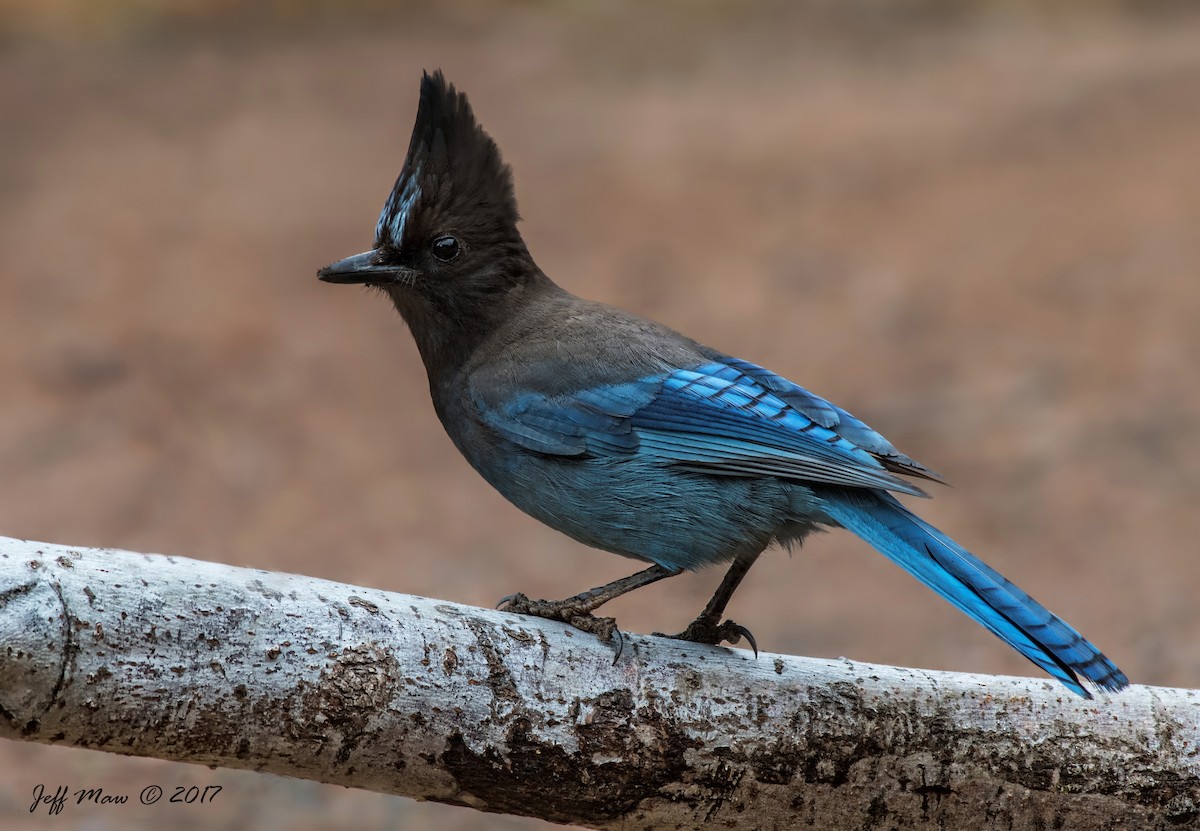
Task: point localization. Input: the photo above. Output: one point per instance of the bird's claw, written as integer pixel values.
(567, 611)
(705, 631)
(509, 601)
(737, 632)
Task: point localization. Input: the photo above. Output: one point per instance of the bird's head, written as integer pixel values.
(447, 249)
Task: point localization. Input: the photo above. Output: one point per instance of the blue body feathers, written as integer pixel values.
(715, 444)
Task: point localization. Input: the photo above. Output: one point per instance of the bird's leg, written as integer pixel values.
(707, 628)
(577, 610)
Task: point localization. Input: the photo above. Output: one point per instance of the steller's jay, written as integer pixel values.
(632, 438)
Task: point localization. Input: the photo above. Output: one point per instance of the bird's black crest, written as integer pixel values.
(453, 170)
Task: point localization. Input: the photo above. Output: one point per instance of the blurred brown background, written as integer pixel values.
(974, 225)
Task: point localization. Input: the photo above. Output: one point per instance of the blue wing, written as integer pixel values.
(828, 415)
(726, 417)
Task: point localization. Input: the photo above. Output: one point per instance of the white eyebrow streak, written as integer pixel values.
(395, 211)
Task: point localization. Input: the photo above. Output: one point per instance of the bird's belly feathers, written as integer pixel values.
(640, 507)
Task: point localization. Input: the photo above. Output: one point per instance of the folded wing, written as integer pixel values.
(724, 418)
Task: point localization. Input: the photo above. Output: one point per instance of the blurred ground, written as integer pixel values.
(977, 231)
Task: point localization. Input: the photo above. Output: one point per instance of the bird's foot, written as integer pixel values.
(574, 611)
(704, 630)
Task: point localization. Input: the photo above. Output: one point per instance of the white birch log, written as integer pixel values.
(198, 662)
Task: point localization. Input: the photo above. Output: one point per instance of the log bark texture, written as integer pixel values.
(198, 662)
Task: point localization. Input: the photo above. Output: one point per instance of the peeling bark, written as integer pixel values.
(198, 662)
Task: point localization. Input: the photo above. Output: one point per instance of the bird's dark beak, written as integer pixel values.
(362, 268)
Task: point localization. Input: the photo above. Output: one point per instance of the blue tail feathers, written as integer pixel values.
(985, 595)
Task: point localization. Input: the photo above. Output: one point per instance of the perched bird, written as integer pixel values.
(633, 438)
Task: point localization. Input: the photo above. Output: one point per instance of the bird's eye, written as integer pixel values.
(446, 248)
